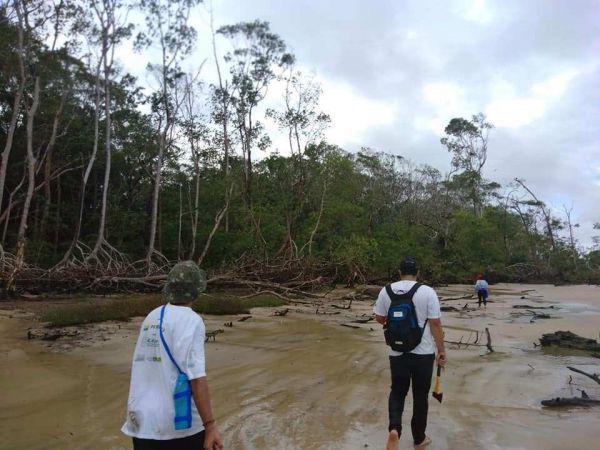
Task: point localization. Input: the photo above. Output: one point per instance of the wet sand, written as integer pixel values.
(304, 382)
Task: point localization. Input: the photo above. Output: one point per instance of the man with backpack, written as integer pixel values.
(169, 404)
(410, 314)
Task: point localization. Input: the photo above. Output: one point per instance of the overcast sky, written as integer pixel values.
(395, 72)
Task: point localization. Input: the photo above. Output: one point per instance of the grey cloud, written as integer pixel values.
(367, 45)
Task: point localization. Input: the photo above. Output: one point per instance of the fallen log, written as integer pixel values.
(534, 307)
(449, 309)
(243, 319)
(462, 297)
(566, 339)
(584, 400)
(349, 325)
(327, 313)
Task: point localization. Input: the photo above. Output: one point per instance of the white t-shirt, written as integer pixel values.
(427, 306)
(150, 408)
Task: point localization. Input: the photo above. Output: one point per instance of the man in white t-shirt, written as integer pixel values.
(157, 363)
(415, 366)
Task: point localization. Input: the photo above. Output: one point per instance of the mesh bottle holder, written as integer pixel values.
(182, 394)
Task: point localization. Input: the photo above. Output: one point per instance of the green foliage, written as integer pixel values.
(264, 301)
(316, 204)
(222, 305)
(101, 310)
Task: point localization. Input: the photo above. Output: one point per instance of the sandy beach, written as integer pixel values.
(304, 382)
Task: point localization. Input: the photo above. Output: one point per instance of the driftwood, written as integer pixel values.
(281, 312)
(537, 315)
(584, 400)
(462, 297)
(475, 343)
(566, 339)
(363, 319)
(243, 319)
(349, 325)
(534, 307)
(276, 294)
(449, 309)
(489, 341)
(327, 313)
(301, 302)
(348, 306)
(50, 334)
(368, 291)
(212, 335)
(263, 285)
(534, 315)
(593, 376)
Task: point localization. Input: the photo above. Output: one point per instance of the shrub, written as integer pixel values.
(263, 301)
(100, 310)
(233, 305)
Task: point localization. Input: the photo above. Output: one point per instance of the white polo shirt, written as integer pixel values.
(427, 306)
(150, 408)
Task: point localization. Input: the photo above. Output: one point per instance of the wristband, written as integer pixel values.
(208, 422)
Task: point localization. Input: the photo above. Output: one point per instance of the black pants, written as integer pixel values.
(418, 369)
(193, 442)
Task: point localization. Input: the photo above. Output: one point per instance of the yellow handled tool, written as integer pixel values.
(437, 388)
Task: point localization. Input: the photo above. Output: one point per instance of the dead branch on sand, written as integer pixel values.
(475, 343)
(593, 376)
(462, 297)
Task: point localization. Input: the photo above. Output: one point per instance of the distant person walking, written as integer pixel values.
(482, 291)
(410, 314)
(168, 372)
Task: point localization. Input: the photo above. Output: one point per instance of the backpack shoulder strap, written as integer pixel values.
(391, 294)
(413, 290)
(404, 296)
(162, 338)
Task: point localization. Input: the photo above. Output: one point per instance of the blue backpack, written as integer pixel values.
(402, 332)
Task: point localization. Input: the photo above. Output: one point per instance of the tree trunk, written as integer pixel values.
(314, 231)
(155, 194)
(16, 107)
(107, 147)
(88, 169)
(31, 163)
(48, 165)
(57, 221)
(195, 215)
(180, 222)
(218, 219)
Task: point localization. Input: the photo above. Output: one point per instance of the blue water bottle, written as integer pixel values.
(182, 397)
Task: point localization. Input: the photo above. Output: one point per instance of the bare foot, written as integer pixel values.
(424, 444)
(393, 441)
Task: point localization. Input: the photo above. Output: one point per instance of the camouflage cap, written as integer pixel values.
(185, 282)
